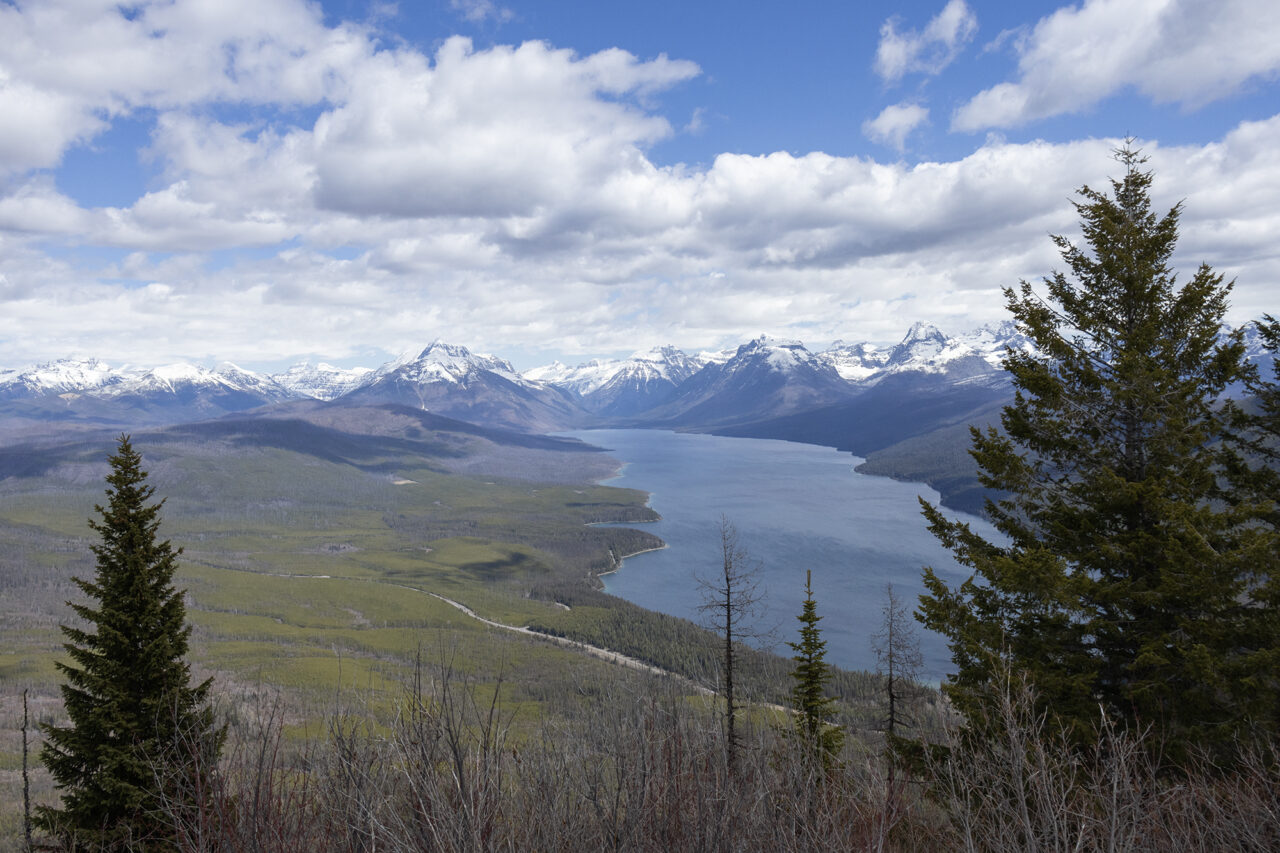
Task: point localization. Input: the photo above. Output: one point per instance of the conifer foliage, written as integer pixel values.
(1124, 575)
(137, 729)
(812, 705)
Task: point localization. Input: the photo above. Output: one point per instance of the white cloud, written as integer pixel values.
(928, 51)
(497, 132)
(481, 10)
(505, 198)
(1189, 52)
(894, 124)
(66, 70)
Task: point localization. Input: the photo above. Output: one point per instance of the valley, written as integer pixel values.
(328, 551)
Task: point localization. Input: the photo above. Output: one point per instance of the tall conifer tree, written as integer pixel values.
(812, 705)
(1123, 579)
(1255, 477)
(137, 726)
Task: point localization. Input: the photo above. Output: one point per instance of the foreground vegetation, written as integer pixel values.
(629, 763)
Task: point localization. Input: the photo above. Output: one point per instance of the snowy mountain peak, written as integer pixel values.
(63, 376)
(660, 353)
(855, 362)
(445, 362)
(181, 372)
(765, 342)
(923, 344)
(321, 381)
(456, 356)
(780, 356)
(922, 332)
(438, 350)
(662, 364)
(550, 373)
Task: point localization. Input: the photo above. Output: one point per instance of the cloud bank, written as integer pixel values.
(321, 191)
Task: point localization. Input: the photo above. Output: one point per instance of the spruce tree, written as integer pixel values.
(137, 729)
(1123, 579)
(820, 739)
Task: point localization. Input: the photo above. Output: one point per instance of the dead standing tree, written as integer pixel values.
(731, 599)
(899, 661)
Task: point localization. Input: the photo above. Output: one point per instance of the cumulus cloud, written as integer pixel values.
(894, 124)
(928, 51)
(1189, 52)
(497, 132)
(504, 197)
(67, 69)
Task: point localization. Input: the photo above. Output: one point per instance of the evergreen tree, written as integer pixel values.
(1123, 580)
(137, 728)
(819, 738)
(1255, 476)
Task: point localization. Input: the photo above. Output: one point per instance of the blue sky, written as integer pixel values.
(274, 180)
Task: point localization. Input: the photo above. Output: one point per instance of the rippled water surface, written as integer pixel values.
(796, 507)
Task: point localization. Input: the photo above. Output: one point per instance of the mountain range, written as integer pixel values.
(904, 407)
(762, 378)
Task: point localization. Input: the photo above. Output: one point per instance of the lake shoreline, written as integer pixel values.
(622, 561)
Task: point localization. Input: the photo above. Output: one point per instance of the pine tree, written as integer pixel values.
(137, 727)
(814, 708)
(1123, 579)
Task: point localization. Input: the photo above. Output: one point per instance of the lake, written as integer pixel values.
(797, 507)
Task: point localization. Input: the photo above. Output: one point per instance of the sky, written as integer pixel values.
(268, 181)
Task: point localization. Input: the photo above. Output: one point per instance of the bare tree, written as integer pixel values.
(898, 660)
(731, 599)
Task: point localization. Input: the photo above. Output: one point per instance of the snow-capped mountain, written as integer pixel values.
(760, 380)
(54, 378)
(90, 389)
(186, 381)
(765, 377)
(451, 380)
(925, 349)
(626, 386)
(855, 362)
(643, 381)
(444, 362)
(322, 381)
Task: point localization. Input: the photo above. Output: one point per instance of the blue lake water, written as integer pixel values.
(797, 507)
